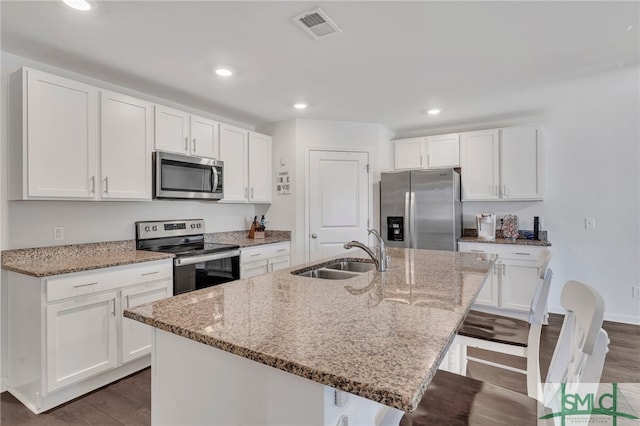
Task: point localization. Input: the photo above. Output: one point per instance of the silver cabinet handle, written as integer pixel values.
(478, 251)
(194, 144)
(113, 311)
(314, 236)
(428, 158)
(251, 192)
(254, 255)
(93, 184)
(523, 254)
(127, 301)
(84, 285)
(150, 273)
(246, 192)
(106, 184)
(421, 160)
(280, 250)
(495, 190)
(186, 144)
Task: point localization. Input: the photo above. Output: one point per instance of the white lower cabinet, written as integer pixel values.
(136, 337)
(67, 334)
(512, 284)
(264, 258)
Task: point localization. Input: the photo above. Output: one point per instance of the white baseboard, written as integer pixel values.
(608, 316)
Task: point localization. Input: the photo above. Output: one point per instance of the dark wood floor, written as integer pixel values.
(128, 401)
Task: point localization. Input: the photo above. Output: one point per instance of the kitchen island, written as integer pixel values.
(285, 349)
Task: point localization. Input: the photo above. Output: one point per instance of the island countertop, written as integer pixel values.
(377, 335)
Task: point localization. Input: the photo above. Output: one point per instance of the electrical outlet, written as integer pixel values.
(590, 223)
(636, 292)
(58, 233)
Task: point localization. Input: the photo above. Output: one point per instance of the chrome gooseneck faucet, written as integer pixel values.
(383, 262)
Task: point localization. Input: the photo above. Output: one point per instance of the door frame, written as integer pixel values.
(307, 177)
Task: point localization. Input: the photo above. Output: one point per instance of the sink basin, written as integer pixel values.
(327, 274)
(352, 266)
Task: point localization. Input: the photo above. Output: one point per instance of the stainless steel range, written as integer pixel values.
(197, 264)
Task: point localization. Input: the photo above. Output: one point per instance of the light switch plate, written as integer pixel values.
(590, 223)
(58, 233)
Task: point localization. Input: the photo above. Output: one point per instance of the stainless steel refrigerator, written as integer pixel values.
(421, 209)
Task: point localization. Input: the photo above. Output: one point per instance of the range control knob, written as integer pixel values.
(198, 225)
(193, 225)
(147, 228)
(155, 228)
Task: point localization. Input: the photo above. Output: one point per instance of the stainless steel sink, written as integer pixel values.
(346, 265)
(327, 274)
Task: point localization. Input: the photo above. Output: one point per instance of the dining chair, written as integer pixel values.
(578, 357)
(510, 336)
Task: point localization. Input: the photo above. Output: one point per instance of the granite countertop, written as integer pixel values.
(377, 335)
(240, 238)
(56, 260)
(470, 236)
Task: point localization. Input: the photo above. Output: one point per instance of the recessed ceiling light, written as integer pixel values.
(434, 111)
(629, 28)
(224, 72)
(299, 105)
(78, 4)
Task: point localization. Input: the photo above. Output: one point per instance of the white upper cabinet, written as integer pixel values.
(126, 141)
(259, 168)
(64, 147)
(409, 153)
(233, 152)
(182, 133)
(443, 151)
(247, 165)
(430, 152)
(53, 137)
(502, 164)
(479, 159)
(204, 137)
(521, 164)
(172, 130)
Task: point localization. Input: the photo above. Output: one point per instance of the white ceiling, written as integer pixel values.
(393, 61)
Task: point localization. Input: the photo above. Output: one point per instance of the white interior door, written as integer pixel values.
(338, 201)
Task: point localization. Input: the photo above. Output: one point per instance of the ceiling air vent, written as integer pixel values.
(316, 23)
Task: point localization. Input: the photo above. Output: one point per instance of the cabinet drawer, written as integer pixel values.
(78, 284)
(266, 251)
(504, 251)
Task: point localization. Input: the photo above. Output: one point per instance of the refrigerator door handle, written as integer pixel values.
(412, 218)
(407, 218)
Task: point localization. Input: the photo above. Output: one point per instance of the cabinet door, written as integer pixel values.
(204, 137)
(126, 143)
(81, 339)
(253, 269)
(479, 162)
(518, 286)
(409, 153)
(281, 262)
(489, 294)
(136, 337)
(61, 128)
(443, 151)
(259, 168)
(171, 130)
(233, 151)
(521, 164)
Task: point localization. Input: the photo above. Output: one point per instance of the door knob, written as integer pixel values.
(314, 236)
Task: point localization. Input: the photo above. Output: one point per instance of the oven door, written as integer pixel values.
(194, 273)
(180, 176)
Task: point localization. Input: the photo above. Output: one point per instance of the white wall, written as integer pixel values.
(591, 129)
(292, 141)
(30, 223)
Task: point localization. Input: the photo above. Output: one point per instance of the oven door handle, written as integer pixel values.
(214, 178)
(181, 261)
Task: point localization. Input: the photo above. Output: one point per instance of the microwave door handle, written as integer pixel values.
(214, 176)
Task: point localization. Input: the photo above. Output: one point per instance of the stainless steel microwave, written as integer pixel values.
(182, 176)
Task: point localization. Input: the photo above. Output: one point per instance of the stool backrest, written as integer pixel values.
(582, 344)
(538, 308)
